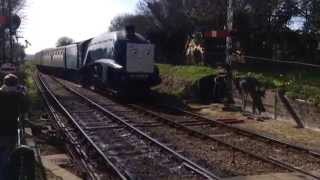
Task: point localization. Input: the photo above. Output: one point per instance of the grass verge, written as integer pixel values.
(27, 71)
(298, 85)
(179, 80)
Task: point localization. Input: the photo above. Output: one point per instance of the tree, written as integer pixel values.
(260, 24)
(17, 51)
(172, 26)
(311, 9)
(63, 41)
(18, 5)
(142, 23)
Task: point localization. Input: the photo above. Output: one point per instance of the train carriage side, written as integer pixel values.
(58, 63)
(43, 60)
(64, 61)
(36, 59)
(72, 64)
(51, 61)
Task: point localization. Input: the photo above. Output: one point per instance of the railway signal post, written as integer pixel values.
(228, 62)
(10, 31)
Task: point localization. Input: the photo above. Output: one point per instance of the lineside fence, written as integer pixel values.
(277, 104)
(276, 65)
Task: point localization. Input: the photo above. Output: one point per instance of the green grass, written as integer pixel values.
(188, 73)
(304, 77)
(181, 81)
(26, 72)
(302, 84)
(299, 85)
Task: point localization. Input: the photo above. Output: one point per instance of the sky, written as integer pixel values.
(296, 23)
(48, 20)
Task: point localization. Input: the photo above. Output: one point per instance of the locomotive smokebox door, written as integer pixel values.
(140, 58)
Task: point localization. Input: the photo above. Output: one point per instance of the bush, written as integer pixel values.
(304, 86)
(27, 71)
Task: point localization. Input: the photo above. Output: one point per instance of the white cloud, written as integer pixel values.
(47, 20)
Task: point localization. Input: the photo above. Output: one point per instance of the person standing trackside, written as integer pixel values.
(12, 105)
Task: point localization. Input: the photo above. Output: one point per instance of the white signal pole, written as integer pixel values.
(229, 29)
(10, 31)
(228, 51)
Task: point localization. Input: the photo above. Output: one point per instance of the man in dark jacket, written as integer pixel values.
(12, 105)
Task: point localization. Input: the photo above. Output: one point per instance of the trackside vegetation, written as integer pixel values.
(27, 71)
(297, 85)
(179, 81)
(189, 73)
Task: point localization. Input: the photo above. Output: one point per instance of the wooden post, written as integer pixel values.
(290, 109)
(276, 104)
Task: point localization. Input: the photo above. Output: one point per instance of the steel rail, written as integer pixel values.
(205, 136)
(60, 125)
(65, 111)
(69, 136)
(243, 132)
(247, 132)
(192, 165)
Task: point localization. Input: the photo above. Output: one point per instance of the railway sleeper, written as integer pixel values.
(97, 123)
(197, 124)
(103, 127)
(220, 135)
(81, 112)
(122, 154)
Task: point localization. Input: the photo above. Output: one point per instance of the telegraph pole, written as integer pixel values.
(229, 51)
(2, 35)
(229, 29)
(10, 31)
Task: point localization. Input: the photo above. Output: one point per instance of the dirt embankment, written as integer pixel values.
(180, 83)
(175, 86)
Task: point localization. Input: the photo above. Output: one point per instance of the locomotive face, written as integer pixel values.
(140, 58)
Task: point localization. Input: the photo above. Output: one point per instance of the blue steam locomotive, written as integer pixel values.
(121, 61)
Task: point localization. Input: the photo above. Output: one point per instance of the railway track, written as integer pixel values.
(291, 157)
(298, 157)
(124, 151)
(231, 160)
(287, 156)
(73, 141)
